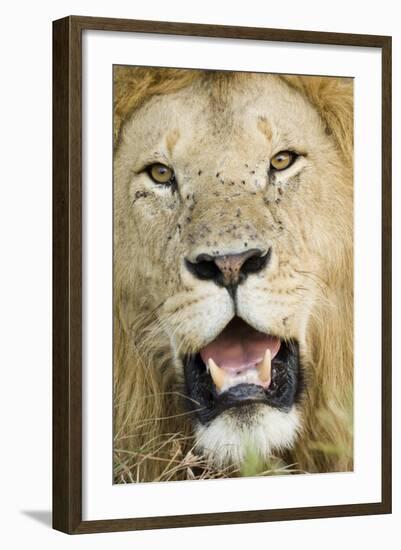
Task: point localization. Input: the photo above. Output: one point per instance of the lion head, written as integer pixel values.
(233, 265)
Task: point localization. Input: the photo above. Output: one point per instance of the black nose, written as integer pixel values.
(231, 269)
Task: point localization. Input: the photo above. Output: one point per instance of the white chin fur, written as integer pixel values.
(228, 438)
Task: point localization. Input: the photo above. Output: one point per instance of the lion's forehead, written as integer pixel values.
(248, 121)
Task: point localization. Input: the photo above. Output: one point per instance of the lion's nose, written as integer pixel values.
(229, 270)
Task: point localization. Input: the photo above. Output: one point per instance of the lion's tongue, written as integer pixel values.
(239, 347)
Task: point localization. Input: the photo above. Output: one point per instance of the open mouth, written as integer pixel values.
(242, 366)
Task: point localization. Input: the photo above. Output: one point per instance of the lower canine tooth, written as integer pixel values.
(218, 375)
(264, 368)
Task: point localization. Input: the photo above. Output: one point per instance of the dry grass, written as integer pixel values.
(178, 464)
(182, 464)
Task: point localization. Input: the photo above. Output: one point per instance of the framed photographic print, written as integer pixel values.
(222, 274)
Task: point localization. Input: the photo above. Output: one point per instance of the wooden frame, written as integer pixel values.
(67, 261)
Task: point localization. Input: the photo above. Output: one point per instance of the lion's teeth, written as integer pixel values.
(218, 375)
(224, 379)
(265, 367)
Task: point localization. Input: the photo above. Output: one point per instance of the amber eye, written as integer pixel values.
(282, 160)
(161, 174)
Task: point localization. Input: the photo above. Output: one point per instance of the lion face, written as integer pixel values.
(226, 231)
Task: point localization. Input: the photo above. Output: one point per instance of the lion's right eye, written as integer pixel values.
(283, 160)
(160, 173)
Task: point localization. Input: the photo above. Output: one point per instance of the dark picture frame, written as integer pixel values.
(67, 274)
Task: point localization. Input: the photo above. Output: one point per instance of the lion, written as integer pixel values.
(233, 273)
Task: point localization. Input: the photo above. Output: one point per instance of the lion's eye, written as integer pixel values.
(160, 173)
(282, 160)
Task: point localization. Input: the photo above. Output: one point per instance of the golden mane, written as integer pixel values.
(152, 440)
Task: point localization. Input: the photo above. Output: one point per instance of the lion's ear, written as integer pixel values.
(333, 98)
